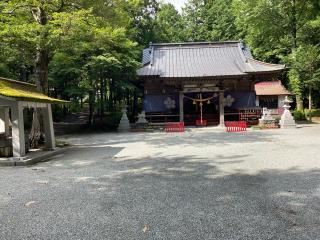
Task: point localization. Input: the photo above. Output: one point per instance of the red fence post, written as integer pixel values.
(174, 127)
(236, 126)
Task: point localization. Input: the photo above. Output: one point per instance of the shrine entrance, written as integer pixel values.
(201, 108)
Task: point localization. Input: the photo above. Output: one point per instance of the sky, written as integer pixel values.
(177, 3)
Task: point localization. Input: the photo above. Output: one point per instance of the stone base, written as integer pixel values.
(288, 126)
(268, 124)
(221, 126)
(32, 157)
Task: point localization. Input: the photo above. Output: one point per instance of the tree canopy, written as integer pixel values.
(88, 50)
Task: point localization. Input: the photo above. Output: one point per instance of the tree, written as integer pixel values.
(275, 28)
(142, 13)
(211, 20)
(47, 26)
(168, 24)
(305, 71)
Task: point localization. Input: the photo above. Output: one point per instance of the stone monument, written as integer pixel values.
(287, 120)
(124, 124)
(142, 121)
(267, 121)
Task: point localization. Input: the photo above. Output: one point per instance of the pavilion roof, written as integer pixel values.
(202, 59)
(22, 91)
(271, 88)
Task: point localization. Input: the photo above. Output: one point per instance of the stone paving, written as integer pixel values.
(202, 184)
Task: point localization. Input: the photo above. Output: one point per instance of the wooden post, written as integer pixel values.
(181, 110)
(257, 101)
(4, 121)
(221, 108)
(18, 136)
(48, 127)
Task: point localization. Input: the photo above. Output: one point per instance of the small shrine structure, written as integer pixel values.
(271, 94)
(14, 97)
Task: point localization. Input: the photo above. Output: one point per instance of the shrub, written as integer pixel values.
(109, 122)
(314, 113)
(299, 115)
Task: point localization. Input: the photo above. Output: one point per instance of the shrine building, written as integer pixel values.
(214, 81)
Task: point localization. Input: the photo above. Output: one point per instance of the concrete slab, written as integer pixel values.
(32, 157)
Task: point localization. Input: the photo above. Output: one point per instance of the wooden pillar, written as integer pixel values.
(257, 101)
(4, 121)
(48, 127)
(221, 108)
(18, 136)
(181, 110)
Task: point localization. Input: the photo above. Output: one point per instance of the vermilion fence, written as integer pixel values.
(174, 127)
(236, 126)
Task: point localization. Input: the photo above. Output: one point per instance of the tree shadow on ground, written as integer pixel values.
(85, 155)
(168, 197)
(191, 198)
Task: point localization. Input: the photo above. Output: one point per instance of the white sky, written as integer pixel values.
(177, 3)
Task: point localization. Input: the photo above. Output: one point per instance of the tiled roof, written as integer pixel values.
(24, 92)
(271, 88)
(204, 59)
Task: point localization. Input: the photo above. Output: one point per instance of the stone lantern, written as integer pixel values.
(287, 120)
(124, 124)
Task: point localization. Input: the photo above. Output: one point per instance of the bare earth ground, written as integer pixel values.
(202, 184)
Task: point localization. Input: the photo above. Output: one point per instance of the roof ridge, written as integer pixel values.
(194, 43)
(18, 82)
(265, 63)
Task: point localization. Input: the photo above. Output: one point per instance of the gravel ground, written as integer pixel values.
(202, 184)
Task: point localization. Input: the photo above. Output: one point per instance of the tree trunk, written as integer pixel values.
(299, 103)
(102, 90)
(310, 104)
(294, 24)
(42, 66)
(91, 107)
(35, 133)
(135, 103)
(111, 94)
(42, 63)
(41, 73)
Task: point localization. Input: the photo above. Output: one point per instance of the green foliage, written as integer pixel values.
(211, 20)
(304, 73)
(273, 28)
(168, 24)
(314, 112)
(109, 122)
(299, 115)
(92, 48)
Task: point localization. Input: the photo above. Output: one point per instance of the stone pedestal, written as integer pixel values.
(124, 125)
(267, 121)
(287, 120)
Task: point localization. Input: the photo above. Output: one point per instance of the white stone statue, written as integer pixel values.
(267, 120)
(266, 114)
(124, 125)
(287, 120)
(142, 118)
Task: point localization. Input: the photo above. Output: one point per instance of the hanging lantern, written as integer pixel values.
(194, 102)
(208, 101)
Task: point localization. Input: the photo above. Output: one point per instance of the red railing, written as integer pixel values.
(174, 127)
(236, 126)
